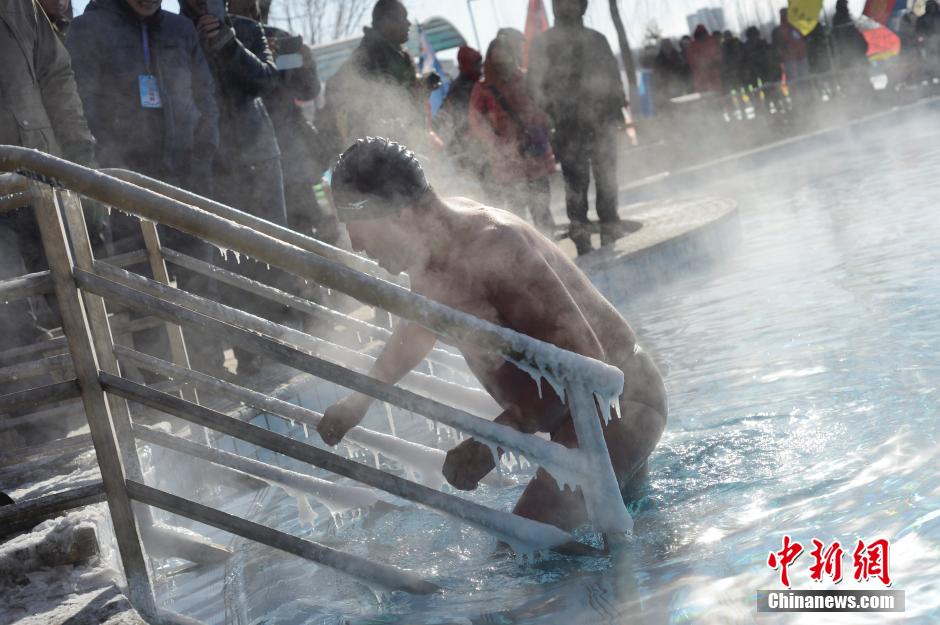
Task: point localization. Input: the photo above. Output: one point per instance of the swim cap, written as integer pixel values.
(376, 178)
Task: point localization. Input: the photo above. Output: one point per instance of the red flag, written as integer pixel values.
(881, 10)
(535, 22)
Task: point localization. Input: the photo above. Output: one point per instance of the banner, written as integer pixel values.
(429, 63)
(882, 10)
(804, 15)
(536, 22)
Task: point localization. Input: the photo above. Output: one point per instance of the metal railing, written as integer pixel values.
(83, 285)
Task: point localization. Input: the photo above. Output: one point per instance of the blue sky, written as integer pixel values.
(491, 15)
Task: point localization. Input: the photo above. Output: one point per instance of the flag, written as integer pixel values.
(882, 42)
(878, 10)
(804, 15)
(429, 63)
(536, 22)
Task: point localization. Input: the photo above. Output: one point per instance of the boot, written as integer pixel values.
(611, 231)
(580, 234)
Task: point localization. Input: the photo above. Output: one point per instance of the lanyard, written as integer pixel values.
(146, 41)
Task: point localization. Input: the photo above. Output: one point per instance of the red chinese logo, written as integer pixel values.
(784, 558)
(828, 563)
(871, 560)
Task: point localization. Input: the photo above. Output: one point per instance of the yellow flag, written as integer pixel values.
(804, 14)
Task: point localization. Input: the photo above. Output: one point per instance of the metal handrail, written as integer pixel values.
(103, 389)
(455, 325)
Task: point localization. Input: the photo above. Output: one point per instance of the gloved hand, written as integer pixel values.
(467, 464)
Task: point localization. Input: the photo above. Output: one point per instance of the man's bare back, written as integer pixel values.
(491, 264)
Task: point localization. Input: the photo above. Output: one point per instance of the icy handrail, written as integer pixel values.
(246, 219)
(562, 368)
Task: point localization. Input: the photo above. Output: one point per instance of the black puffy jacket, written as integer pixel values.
(177, 143)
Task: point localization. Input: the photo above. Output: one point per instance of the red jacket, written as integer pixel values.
(704, 57)
(502, 135)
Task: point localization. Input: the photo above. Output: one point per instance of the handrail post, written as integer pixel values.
(602, 496)
(97, 410)
(100, 328)
(161, 274)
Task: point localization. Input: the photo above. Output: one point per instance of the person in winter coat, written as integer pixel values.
(147, 91)
(791, 47)
(301, 159)
(149, 97)
(377, 92)
(516, 134)
(851, 52)
(575, 78)
(40, 109)
(704, 56)
(670, 75)
(453, 118)
(761, 63)
(248, 165)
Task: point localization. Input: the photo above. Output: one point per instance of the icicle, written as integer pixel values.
(306, 433)
(391, 419)
(305, 514)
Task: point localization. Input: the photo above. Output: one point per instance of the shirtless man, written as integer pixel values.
(491, 264)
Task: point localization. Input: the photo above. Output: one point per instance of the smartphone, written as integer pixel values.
(288, 52)
(216, 8)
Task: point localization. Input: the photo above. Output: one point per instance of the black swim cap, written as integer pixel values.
(376, 178)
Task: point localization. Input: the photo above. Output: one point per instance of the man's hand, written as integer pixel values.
(341, 417)
(467, 464)
(213, 34)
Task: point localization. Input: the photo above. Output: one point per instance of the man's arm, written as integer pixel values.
(533, 300)
(60, 94)
(406, 348)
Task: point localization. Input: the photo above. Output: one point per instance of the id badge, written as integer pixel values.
(149, 92)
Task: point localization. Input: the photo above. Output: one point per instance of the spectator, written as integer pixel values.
(575, 78)
(59, 13)
(761, 64)
(515, 39)
(704, 55)
(928, 30)
(732, 62)
(791, 48)
(376, 92)
(170, 133)
(670, 75)
(516, 134)
(301, 152)
(248, 166)
(148, 93)
(40, 109)
(453, 118)
(851, 52)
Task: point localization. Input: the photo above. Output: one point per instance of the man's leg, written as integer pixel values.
(543, 500)
(575, 168)
(604, 165)
(539, 201)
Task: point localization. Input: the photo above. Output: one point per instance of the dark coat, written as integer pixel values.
(39, 103)
(373, 93)
(296, 137)
(248, 164)
(575, 78)
(176, 143)
(244, 72)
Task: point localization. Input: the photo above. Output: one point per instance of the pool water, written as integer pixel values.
(804, 387)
